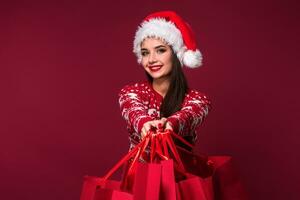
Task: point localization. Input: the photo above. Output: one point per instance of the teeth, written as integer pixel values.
(155, 67)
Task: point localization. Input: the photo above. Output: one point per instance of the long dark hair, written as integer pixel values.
(176, 91)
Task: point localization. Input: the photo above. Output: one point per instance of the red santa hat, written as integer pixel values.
(177, 33)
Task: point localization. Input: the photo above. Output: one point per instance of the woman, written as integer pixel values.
(163, 44)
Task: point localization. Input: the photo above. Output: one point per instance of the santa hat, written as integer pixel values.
(170, 27)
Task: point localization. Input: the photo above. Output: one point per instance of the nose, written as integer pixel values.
(152, 58)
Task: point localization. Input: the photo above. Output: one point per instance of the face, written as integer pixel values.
(156, 58)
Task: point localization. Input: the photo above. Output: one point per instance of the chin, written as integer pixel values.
(160, 77)
(156, 76)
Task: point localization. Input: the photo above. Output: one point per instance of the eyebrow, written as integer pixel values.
(159, 46)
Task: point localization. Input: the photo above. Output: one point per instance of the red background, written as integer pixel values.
(62, 65)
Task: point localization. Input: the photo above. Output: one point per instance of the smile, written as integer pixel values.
(155, 68)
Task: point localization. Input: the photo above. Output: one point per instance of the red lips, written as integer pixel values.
(155, 68)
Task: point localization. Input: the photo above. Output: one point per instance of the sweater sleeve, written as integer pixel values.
(195, 108)
(133, 108)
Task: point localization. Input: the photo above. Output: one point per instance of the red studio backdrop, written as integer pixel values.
(62, 64)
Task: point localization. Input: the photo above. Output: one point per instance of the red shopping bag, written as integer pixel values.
(187, 185)
(151, 177)
(147, 181)
(190, 186)
(156, 180)
(109, 190)
(226, 181)
(199, 165)
(195, 188)
(221, 177)
(96, 188)
(165, 187)
(89, 188)
(168, 185)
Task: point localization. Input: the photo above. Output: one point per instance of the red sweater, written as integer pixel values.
(140, 103)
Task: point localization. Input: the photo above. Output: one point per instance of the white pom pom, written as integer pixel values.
(192, 59)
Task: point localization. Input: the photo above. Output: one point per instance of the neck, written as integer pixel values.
(161, 86)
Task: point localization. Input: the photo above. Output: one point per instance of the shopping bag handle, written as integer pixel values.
(140, 151)
(163, 145)
(135, 152)
(169, 143)
(160, 142)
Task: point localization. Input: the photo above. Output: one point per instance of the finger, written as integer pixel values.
(147, 126)
(163, 120)
(168, 126)
(144, 131)
(156, 124)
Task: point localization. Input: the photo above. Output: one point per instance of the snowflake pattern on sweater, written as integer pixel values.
(140, 103)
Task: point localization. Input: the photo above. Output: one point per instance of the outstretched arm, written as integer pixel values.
(133, 108)
(194, 109)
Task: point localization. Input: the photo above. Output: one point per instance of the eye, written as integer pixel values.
(144, 53)
(161, 50)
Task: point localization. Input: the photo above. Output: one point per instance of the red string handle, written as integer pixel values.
(139, 153)
(171, 145)
(161, 142)
(152, 147)
(135, 152)
(180, 138)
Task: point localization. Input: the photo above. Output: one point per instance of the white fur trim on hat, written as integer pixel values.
(159, 28)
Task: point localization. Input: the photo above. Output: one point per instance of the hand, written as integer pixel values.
(169, 126)
(154, 124)
(165, 125)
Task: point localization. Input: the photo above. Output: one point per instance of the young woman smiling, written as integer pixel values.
(163, 44)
